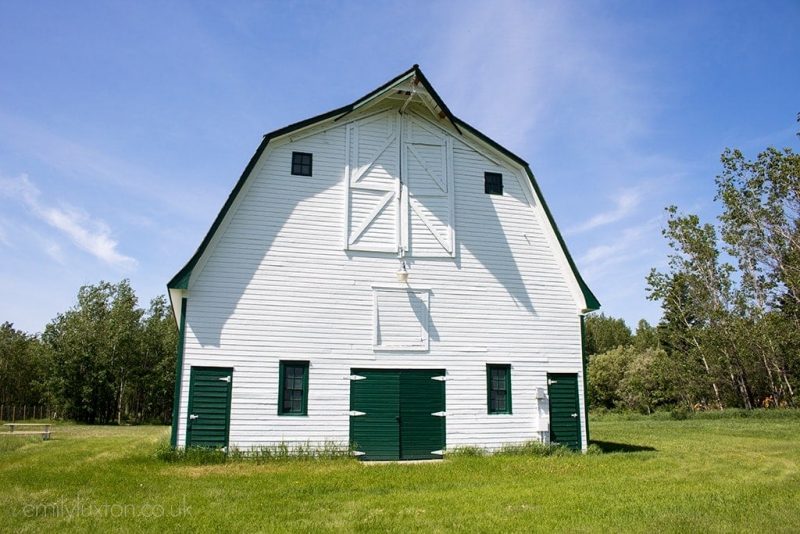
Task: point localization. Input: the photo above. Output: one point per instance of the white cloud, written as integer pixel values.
(91, 235)
(528, 70)
(625, 202)
(630, 244)
(86, 163)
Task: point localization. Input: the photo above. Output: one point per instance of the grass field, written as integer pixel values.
(735, 474)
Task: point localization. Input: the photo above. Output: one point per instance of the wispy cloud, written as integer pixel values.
(624, 204)
(88, 234)
(631, 243)
(546, 71)
(83, 162)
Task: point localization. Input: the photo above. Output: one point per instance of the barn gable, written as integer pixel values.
(425, 154)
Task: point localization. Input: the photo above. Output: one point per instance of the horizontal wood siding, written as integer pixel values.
(277, 283)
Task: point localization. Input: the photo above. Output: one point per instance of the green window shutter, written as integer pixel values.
(293, 388)
(498, 388)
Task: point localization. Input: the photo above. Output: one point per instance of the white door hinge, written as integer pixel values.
(225, 379)
(356, 413)
(357, 377)
(439, 414)
(442, 378)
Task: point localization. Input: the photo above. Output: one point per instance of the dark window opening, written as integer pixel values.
(301, 163)
(493, 183)
(293, 394)
(499, 388)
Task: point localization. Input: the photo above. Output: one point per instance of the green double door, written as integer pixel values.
(565, 411)
(208, 422)
(397, 414)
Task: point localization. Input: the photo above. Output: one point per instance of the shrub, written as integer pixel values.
(466, 451)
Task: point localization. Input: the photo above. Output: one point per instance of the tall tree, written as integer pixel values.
(604, 333)
(23, 367)
(94, 346)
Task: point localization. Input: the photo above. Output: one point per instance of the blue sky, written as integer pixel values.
(124, 125)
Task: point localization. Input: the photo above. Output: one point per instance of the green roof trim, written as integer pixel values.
(181, 279)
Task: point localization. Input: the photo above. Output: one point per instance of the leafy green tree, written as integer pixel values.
(154, 375)
(649, 381)
(606, 371)
(604, 333)
(94, 347)
(646, 336)
(737, 322)
(23, 368)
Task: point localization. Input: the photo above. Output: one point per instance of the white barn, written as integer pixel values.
(387, 277)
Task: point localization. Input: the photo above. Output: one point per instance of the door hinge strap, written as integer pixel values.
(359, 453)
(442, 378)
(356, 377)
(356, 413)
(438, 453)
(225, 379)
(439, 414)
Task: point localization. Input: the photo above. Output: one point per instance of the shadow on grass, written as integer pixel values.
(610, 446)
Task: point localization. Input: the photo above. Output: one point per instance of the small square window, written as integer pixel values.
(293, 388)
(301, 163)
(493, 183)
(498, 385)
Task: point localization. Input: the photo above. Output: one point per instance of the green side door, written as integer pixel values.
(208, 422)
(392, 413)
(565, 420)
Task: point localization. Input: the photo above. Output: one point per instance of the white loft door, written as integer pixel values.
(399, 186)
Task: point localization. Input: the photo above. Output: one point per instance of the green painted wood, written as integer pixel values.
(377, 433)
(210, 401)
(299, 366)
(565, 421)
(176, 395)
(398, 407)
(498, 388)
(421, 433)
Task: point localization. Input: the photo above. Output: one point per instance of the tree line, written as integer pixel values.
(729, 335)
(105, 360)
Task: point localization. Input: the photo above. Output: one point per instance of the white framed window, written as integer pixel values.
(401, 318)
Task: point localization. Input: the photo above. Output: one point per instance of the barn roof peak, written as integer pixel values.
(410, 85)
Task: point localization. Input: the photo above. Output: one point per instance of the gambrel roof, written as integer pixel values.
(401, 87)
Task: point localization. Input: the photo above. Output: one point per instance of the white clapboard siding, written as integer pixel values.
(278, 284)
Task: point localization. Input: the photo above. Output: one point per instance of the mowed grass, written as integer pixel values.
(666, 476)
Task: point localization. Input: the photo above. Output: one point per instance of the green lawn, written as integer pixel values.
(695, 475)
